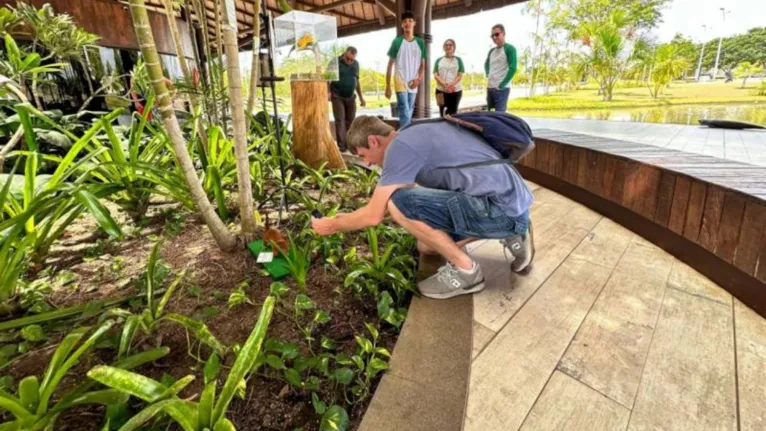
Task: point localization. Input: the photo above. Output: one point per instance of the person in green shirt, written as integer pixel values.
(448, 72)
(341, 94)
(500, 68)
(408, 54)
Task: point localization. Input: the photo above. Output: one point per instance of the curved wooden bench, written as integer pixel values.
(708, 212)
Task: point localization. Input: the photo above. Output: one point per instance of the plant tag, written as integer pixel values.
(265, 257)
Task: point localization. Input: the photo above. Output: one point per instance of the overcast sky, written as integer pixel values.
(472, 32)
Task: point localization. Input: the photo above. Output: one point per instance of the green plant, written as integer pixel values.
(382, 271)
(31, 406)
(762, 90)
(207, 414)
(369, 359)
(298, 259)
(147, 320)
(366, 179)
(23, 67)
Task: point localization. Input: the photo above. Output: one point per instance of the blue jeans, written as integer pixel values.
(498, 99)
(405, 103)
(460, 215)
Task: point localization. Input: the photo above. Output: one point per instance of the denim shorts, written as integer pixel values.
(459, 215)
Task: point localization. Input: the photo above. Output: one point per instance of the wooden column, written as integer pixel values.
(312, 139)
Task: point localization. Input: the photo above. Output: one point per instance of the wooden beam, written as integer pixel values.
(468, 3)
(380, 11)
(388, 5)
(329, 6)
(333, 12)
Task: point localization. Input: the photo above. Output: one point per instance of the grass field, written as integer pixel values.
(679, 93)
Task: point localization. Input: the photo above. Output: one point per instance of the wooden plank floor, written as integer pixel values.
(747, 146)
(609, 332)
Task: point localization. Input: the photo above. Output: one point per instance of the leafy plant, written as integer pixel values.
(31, 406)
(298, 259)
(148, 319)
(23, 67)
(386, 270)
(207, 414)
(369, 360)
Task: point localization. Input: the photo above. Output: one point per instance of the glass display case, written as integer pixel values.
(307, 46)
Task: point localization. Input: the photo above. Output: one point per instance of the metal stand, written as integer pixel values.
(269, 81)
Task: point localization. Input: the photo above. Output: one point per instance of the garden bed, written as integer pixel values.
(212, 279)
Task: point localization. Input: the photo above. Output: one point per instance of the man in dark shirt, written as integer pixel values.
(342, 95)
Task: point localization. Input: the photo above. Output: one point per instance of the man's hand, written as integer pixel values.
(362, 103)
(388, 92)
(324, 226)
(415, 83)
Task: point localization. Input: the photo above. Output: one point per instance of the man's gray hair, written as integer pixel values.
(361, 128)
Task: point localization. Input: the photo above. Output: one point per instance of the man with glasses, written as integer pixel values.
(500, 68)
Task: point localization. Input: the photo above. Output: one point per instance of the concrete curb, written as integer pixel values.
(426, 387)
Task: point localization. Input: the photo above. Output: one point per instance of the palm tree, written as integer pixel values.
(607, 41)
(667, 65)
(145, 38)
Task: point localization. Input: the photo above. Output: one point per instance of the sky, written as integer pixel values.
(472, 33)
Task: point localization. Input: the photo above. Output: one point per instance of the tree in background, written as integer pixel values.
(571, 15)
(608, 31)
(750, 46)
(665, 63)
(608, 49)
(745, 70)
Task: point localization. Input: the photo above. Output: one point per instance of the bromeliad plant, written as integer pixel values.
(32, 405)
(207, 414)
(152, 315)
(389, 270)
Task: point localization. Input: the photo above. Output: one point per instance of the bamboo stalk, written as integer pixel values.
(239, 124)
(145, 38)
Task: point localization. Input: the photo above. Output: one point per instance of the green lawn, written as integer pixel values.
(679, 93)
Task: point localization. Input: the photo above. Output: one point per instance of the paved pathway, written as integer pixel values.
(748, 146)
(609, 332)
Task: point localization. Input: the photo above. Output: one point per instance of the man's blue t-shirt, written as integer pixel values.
(417, 152)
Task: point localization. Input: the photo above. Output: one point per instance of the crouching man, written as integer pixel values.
(444, 207)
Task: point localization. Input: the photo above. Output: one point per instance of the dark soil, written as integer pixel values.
(211, 276)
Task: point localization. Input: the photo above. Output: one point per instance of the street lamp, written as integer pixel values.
(702, 54)
(720, 41)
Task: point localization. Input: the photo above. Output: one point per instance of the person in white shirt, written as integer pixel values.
(448, 72)
(408, 53)
(500, 68)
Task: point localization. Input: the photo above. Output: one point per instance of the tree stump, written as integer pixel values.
(312, 139)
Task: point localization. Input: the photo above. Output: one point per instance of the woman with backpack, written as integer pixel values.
(448, 72)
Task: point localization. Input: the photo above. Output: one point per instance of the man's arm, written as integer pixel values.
(510, 54)
(359, 93)
(389, 69)
(369, 215)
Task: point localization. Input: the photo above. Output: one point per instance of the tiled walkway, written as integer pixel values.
(609, 332)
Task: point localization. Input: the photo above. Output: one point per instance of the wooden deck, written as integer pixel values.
(746, 146)
(609, 332)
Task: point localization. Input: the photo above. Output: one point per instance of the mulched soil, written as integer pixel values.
(211, 276)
